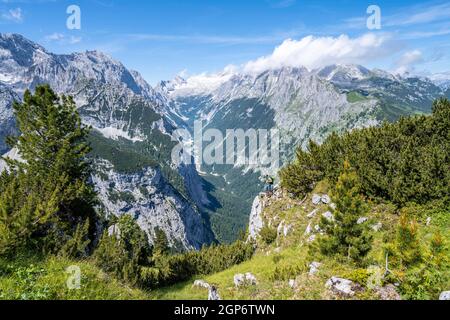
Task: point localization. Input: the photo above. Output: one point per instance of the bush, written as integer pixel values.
(268, 235)
(343, 235)
(403, 162)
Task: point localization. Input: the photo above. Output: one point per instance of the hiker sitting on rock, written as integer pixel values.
(268, 185)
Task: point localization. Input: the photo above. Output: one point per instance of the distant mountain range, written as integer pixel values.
(132, 125)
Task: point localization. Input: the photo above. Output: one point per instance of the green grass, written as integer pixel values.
(31, 278)
(353, 97)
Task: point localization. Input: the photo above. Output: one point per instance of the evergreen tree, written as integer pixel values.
(161, 244)
(344, 235)
(408, 246)
(125, 253)
(47, 195)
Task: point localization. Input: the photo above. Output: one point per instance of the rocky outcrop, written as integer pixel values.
(314, 267)
(201, 284)
(445, 295)
(247, 279)
(343, 287)
(256, 221)
(123, 110)
(153, 202)
(7, 121)
(213, 294)
(388, 292)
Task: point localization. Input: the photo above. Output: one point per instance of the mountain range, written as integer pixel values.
(132, 126)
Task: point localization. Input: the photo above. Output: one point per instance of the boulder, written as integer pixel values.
(332, 206)
(287, 229)
(445, 295)
(280, 228)
(428, 221)
(292, 283)
(316, 199)
(312, 238)
(343, 287)
(314, 267)
(377, 227)
(250, 279)
(239, 280)
(201, 284)
(329, 216)
(388, 292)
(317, 228)
(312, 214)
(326, 199)
(245, 279)
(114, 230)
(362, 220)
(308, 229)
(213, 294)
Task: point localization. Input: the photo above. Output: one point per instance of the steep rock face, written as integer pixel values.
(154, 203)
(295, 101)
(25, 64)
(300, 103)
(256, 221)
(7, 122)
(130, 132)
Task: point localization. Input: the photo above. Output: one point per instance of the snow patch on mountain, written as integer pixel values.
(114, 133)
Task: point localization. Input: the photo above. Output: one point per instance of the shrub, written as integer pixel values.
(344, 235)
(268, 235)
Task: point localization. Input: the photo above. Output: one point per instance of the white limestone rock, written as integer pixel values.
(308, 229)
(316, 199)
(312, 214)
(314, 267)
(292, 283)
(444, 295)
(377, 227)
(329, 216)
(342, 287)
(256, 222)
(362, 220)
(213, 294)
(201, 284)
(326, 199)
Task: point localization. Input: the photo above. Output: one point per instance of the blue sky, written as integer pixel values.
(163, 38)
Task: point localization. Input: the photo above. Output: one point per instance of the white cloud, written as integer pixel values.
(281, 3)
(13, 15)
(313, 52)
(61, 38)
(407, 62)
(75, 40)
(54, 37)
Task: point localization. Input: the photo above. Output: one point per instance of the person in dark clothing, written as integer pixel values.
(268, 184)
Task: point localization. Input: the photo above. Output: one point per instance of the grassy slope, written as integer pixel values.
(291, 253)
(31, 278)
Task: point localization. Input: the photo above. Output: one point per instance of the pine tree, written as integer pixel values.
(408, 246)
(161, 244)
(344, 236)
(46, 196)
